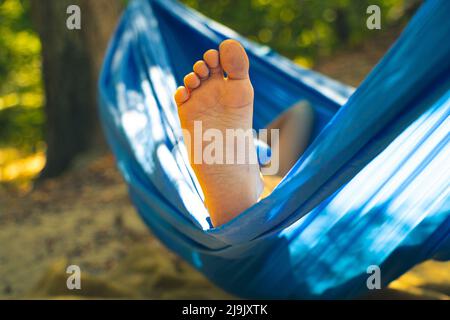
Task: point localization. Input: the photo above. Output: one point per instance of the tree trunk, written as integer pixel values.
(71, 61)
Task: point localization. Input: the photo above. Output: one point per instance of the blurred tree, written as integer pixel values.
(71, 62)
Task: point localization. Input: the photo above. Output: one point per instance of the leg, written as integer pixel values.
(221, 104)
(295, 127)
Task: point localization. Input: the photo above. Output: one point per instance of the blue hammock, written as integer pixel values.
(372, 188)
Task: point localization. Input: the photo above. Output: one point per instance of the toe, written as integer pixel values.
(211, 57)
(201, 69)
(181, 95)
(191, 81)
(234, 60)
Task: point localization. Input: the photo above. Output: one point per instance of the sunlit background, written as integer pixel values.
(21, 95)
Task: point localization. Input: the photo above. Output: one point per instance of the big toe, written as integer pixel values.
(233, 59)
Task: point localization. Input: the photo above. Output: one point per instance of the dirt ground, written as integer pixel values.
(85, 218)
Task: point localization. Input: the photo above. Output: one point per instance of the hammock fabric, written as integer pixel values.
(372, 188)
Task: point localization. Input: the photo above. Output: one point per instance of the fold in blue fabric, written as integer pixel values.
(372, 189)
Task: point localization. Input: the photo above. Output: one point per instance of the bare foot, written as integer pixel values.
(221, 103)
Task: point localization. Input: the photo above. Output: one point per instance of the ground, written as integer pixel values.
(85, 218)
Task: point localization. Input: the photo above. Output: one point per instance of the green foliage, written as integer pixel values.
(22, 128)
(21, 98)
(300, 29)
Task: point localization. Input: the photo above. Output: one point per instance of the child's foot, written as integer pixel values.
(221, 103)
